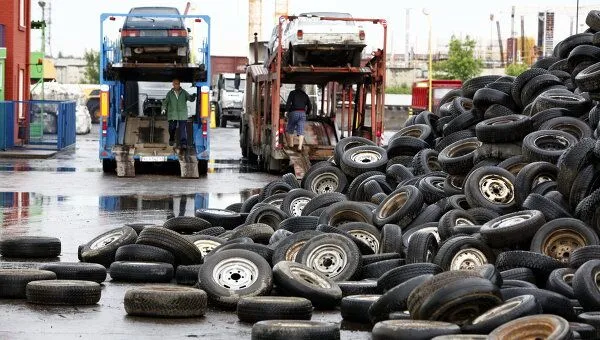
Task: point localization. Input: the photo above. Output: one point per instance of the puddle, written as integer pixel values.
(19, 209)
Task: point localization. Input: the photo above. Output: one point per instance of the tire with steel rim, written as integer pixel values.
(340, 213)
(299, 280)
(514, 228)
(559, 238)
(102, 248)
(362, 159)
(463, 253)
(295, 201)
(491, 187)
(325, 179)
(400, 207)
(511, 309)
(543, 326)
(229, 275)
(332, 255)
(585, 285)
(365, 232)
(547, 145)
(206, 243)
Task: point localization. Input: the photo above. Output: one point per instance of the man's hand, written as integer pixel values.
(193, 97)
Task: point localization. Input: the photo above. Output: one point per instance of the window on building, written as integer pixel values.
(22, 13)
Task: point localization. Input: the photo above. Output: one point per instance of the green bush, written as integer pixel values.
(401, 89)
(516, 69)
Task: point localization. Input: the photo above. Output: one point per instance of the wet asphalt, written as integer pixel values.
(69, 197)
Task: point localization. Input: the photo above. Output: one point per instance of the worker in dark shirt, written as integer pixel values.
(298, 106)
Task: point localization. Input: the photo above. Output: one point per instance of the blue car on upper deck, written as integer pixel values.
(148, 37)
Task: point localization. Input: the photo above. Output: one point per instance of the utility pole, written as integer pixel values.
(407, 38)
(513, 51)
(43, 6)
(491, 47)
(522, 39)
(577, 18)
(500, 44)
(50, 29)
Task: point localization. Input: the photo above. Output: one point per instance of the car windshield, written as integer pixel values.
(313, 18)
(230, 84)
(143, 14)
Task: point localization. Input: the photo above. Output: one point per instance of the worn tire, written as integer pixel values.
(102, 248)
(76, 271)
(165, 301)
(143, 253)
(14, 281)
(30, 247)
(185, 252)
(295, 329)
(259, 308)
(141, 271)
(63, 292)
(544, 326)
(298, 280)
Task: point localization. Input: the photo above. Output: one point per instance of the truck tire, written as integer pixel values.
(165, 301)
(63, 292)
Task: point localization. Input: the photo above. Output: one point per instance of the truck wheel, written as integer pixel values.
(223, 122)
(202, 166)
(109, 165)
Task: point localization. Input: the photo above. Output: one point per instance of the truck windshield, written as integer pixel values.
(230, 84)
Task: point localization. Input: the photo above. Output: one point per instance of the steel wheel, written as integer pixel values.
(310, 277)
(328, 259)
(297, 205)
(561, 243)
(235, 273)
(324, 183)
(502, 309)
(106, 240)
(292, 252)
(367, 238)
(206, 246)
(497, 189)
(468, 259)
(365, 156)
(393, 204)
(513, 220)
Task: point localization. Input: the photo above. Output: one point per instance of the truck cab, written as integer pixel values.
(228, 97)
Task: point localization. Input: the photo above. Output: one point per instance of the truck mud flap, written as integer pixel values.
(125, 162)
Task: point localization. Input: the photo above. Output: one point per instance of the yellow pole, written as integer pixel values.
(430, 67)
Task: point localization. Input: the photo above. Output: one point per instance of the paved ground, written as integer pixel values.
(69, 197)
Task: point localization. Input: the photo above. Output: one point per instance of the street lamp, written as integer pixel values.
(430, 66)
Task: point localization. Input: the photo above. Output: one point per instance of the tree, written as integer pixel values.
(461, 63)
(516, 69)
(92, 67)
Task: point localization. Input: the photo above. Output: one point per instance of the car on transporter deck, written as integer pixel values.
(148, 36)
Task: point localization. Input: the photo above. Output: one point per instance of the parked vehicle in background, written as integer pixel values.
(311, 39)
(146, 37)
(228, 94)
(93, 105)
(420, 93)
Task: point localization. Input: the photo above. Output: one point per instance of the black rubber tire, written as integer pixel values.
(452, 138)
(355, 308)
(422, 248)
(287, 249)
(511, 309)
(519, 273)
(545, 62)
(258, 232)
(363, 287)
(471, 86)
(588, 212)
(347, 143)
(395, 299)
(76, 271)
(397, 276)
(532, 175)
(165, 302)
(582, 255)
(504, 129)
(537, 85)
(344, 212)
(391, 239)
(486, 97)
(452, 218)
(249, 203)
(14, 281)
(546, 326)
(272, 188)
(421, 131)
(513, 164)
(235, 207)
(576, 105)
(405, 146)
(560, 281)
(291, 180)
(424, 162)
(295, 329)
(335, 180)
(299, 223)
(572, 162)
(454, 245)
(512, 229)
(185, 251)
(494, 175)
(540, 264)
(212, 231)
(143, 253)
(517, 284)
(225, 218)
(457, 158)
(30, 247)
(298, 280)
(187, 275)
(260, 249)
(575, 227)
(377, 269)
(154, 272)
(63, 292)
(497, 110)
(186, 224)
(432, 188)
(400, 207)
(323, 201)
(522, 80)
(585, 287)
(295, 201)
(412, 329)
(206, 243)
(551, 302)
(259, 308)
(267, 214)
(260, 283)
(347, 249)
(104, 253)
(550, 209)
(367, 233)
(353, 167)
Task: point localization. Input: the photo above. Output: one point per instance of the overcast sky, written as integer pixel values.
(75, 23)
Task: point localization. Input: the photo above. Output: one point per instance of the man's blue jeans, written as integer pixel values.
(182, 125)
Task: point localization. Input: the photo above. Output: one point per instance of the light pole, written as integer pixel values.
(430, 66)
(43, 6)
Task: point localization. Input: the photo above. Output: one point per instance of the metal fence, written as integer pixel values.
(43, 124)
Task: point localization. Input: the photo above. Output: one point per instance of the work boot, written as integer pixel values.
(300, 141)
(171, 142)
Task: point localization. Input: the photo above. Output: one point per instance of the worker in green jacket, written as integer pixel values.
(175, 106)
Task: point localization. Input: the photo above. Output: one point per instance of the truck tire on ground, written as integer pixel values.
(143, 253)
(14, 281)
(125, 271)
(165, 301)
(63, 292)
(185, 252)
(102, 249)
(259, 308)
(76, 271)
(295, 329)
(30, 247)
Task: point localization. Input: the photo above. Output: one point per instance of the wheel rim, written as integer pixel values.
(325, 183)
(106, 240)
(561, 243)
(467, 259)
(309, 277)
(502, 309)
(292, 252)
(328, 259)
(367, 238)
(541, 179)
(206, 246)
(277, 202)
(297, 205)
(433, 164)
(497, 189)
(393, 204)
(552, 142)
(432, 230)
(218, 212)
(364, 157)
(235, 273)
(464, 148)
(463, 221)
(511, 221)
